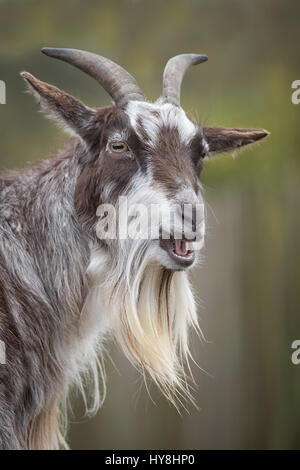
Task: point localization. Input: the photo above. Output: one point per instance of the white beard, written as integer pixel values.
(149, 310)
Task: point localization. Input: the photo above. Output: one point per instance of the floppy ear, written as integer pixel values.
(64, 108)
(223, 139)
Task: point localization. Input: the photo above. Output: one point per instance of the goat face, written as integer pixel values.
(152, 155)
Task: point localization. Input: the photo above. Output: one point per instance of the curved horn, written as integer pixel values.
(121, 86)
(174, 73)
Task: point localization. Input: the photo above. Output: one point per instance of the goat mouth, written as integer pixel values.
(179, 251)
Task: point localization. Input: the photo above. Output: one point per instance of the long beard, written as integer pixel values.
(152, 311)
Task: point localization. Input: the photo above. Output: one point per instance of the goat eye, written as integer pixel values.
(119, 147)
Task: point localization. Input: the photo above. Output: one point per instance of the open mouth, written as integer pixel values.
(179, 251)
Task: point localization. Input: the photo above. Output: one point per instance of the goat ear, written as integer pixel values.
(64, 108)
(223, 139)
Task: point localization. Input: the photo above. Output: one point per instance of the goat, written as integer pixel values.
(63, 289)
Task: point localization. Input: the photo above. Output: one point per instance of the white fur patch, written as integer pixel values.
(154, 116)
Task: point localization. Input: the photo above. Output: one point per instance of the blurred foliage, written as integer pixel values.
(250, 279)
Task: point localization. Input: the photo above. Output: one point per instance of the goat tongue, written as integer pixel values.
(180, 248)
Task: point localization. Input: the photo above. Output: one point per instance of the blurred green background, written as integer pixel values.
(249, 284)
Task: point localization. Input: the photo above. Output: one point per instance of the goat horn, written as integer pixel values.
(174, 73)
(121, 86)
